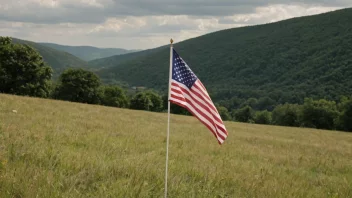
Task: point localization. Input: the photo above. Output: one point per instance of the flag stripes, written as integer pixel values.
(197, 101)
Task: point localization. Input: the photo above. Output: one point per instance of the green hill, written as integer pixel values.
(88, 53)
(116, 60)
(63, 149)
(58, 60)
(285, 61)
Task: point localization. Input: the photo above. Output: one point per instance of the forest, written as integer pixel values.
(24, 72)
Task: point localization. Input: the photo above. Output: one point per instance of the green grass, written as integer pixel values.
(62, 149)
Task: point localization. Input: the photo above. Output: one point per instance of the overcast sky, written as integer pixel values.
(142, 24)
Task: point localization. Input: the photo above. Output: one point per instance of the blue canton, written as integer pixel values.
(181, 72)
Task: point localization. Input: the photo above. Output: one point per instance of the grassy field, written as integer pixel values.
(62, 149)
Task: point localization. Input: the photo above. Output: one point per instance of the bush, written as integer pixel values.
(22, 70)
(148, 100)
(262, 117)
(224, 113)
(78, 85)
(345, 118)
(245, 114)
(321, 114)
(114, 96)
(286, 115)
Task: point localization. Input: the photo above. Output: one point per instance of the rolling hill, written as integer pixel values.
(58, 60)
(88, 53)
(116, 60)
(285, 61)
(63, 149)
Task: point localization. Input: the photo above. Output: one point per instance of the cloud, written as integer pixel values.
(275, 13)
(143, 24)
(97, 11)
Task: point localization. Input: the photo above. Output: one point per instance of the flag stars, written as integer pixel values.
(182, 73)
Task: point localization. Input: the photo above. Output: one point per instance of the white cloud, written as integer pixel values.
(43, 3)
(115, 25)
(279, 12)
(61, 21)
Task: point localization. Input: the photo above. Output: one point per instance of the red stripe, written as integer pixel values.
(202, 85)
(179, 104)
(204, 92)
(202, 105)
(204, 97)
(196, 101)
(201, 97)
(178, 98)
(203, 114)
(207, 110)
(217, 127)
(178, 89)
(194, 114)
(201, 90)
(210, 106)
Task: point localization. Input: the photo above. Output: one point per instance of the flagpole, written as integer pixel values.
(168, 118)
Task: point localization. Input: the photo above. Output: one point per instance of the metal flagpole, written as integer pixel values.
(168, 119)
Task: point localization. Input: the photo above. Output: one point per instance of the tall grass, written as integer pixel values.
(62, 149)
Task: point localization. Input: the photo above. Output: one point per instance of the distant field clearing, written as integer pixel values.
(61, 149)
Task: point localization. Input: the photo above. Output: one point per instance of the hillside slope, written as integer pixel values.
(58, 60)
(88, 53)
(116, 60)
(62, 149)
(286, 61)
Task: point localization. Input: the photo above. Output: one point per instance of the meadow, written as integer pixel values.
(54, 148)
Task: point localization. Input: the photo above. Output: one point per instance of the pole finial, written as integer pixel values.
(171, 41)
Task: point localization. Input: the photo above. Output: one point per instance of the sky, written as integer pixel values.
(143, 24)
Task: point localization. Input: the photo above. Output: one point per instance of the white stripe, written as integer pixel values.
(197, 114)
(205, 104)
(177, 94)
(202, 101)
(206, 112)
(201, 86)
(191, 108)
(219, 130)
(210, 106)
(179, 101)
(204, 92)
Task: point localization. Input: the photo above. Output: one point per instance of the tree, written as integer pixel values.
(22, 70)
(321, 114)
(148, 100)
(79, 85)
(265, 103)
(140, 101)
(224, 113)
(252, 102)
(345, 119)
(114, 96)
(245, 114)
(156, 100)
(286, 115)
(262, 117)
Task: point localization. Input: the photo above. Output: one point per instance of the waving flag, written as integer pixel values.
(187, 91)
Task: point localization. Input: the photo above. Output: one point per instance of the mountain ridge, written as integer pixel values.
(58, 60)
(287, 60)
(88, 53)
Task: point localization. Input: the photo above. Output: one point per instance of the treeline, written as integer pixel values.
(285, 61)
(23, 72)
(320, 114)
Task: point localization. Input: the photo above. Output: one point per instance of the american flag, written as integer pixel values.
(187, 91)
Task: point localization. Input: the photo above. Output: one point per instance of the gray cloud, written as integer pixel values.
(96, 11)
(143, 24)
